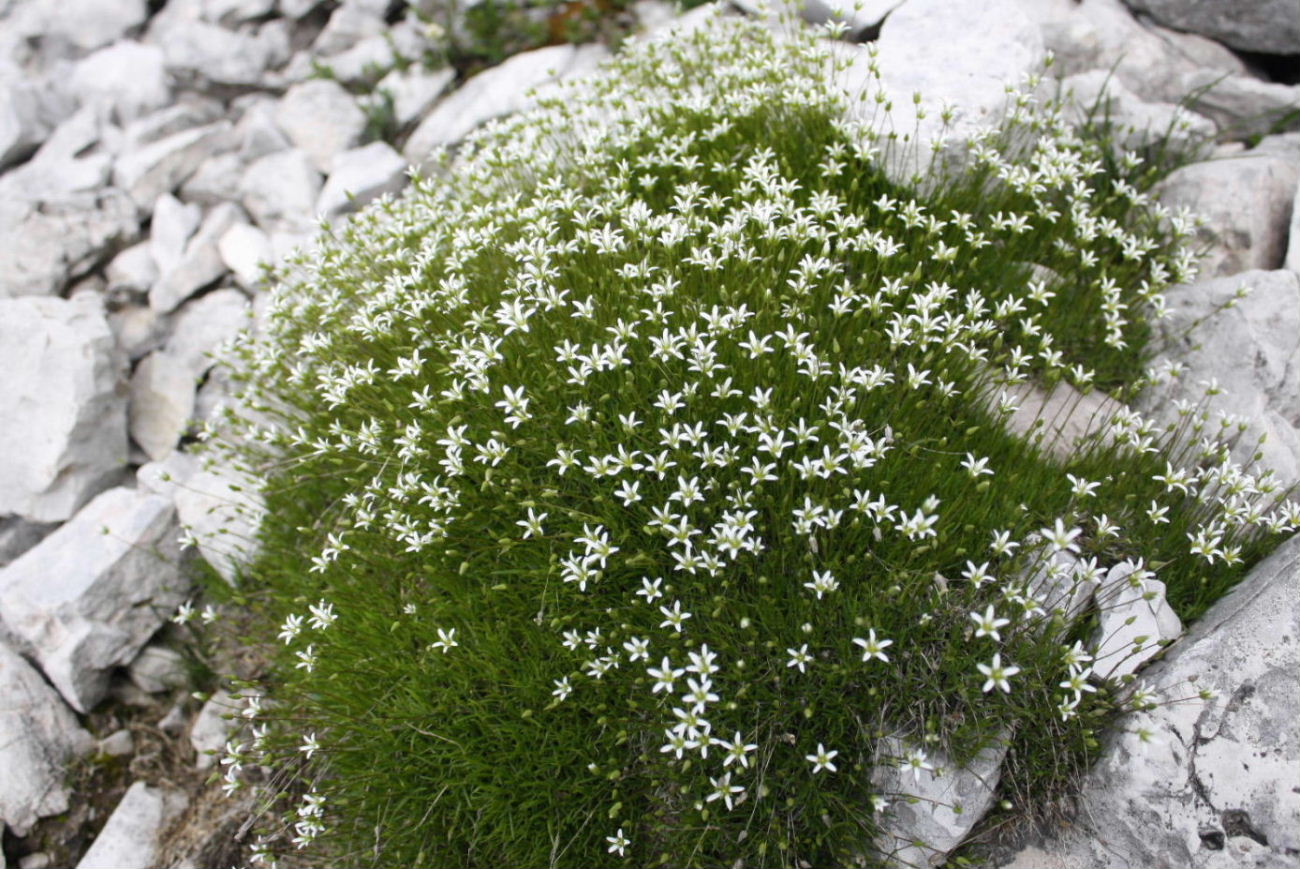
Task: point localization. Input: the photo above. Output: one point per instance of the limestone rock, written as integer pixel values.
(138, 329)
(84, 601)
(498, 91)
(157, 669)
(321, 119)
(359, 176)
(200, 52)
(63, 435)
(200, 328)
(162, 403)
(132, 837)
(280, 191)
(258, 132)
(1242, 106)
(29, 110)
(161, 166)
(18, 535)
(986, 46)
(200, 264)
(172, 225)
(1251, 350)
(211, 728)
(232, 12)
(45, 244)
(1137, 123)
(1135, 622)
(244, 248)
(39, 734)
(348, 25)
(132, 271)
(1293, 235)
(1152, 62)
(220, 506)
(949, 801)
(215, 181)
(1209, 771)
(187, 113)
(414, 90)
(1058, 420)
(124, 80)
(1246, 203)
(1266, 26)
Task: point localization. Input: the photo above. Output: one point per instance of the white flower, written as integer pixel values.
(637, 649)
(446, 640)
(562, 688)
(673, 618)
(309, 745)
(988, 623)
(533, 524)
(665, 677)
(873, 648)
(618, 842)
(799, 657)
(1060, 537)
(822, 759)
(723, 789)
(823, 581)
(291, 628)
(322, 615)
(915, 761)
(737, 751)
(997, 674)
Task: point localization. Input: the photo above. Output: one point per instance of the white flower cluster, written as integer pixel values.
(643, 365)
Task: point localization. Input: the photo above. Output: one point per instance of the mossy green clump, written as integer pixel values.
(636, 480)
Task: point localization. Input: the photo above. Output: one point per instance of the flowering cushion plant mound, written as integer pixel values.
(640, 491)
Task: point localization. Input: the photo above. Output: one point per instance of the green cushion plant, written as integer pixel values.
(635, 476)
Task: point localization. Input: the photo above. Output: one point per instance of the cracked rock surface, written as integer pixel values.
(1197, 783)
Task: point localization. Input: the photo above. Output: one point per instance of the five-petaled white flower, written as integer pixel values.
(618, 842)
(799, 657)
(446, 639)
(988, 623)
(822, 759)
(872, 647)
(997, 674)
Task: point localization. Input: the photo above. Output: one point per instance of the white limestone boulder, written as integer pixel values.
(162, 403)
(163, 165)
(200, 263)
(322, 119)
(931, 813)
(170, 228)
(414, 90)
(132, 838)
(201, 326)
(359, 176)
(1242, 106)
(280, 191)
(1137, 123)
(220, 506)
(1199, 783)
(63, 432)
(124, 80)
(46, 243)
(257, 132)
(1252, 350)
(215, 181)
(498, 91)
(201, 53)
(1265, 26)
(212, 727)
(39, 734)
(1246, 204)
(234, 12)
(1134, 621)
(1151, 61)
(87, 598)
(244, 249)
(158, 669)
(138, 329)
(986, 48)
(132, 271)
(30, 108)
